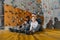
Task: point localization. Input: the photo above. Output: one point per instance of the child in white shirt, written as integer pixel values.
(33, 24)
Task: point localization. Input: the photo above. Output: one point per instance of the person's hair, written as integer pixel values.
(34, 13)
(25, 20)
(55, 19)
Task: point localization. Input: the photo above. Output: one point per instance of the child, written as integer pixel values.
(33, 25)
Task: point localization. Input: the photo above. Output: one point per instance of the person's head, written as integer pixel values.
(33, 19)
(55, 19)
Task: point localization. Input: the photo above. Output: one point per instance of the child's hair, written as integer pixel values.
(33, 14)
(25, 20)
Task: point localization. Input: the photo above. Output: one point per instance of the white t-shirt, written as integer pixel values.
(33, 25)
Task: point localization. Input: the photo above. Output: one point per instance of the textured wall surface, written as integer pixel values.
(16, 11)
(14, 16)
(51, 9)
(30, 5)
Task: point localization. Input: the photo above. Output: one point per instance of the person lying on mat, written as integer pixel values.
(22, 28)
(25, 26)
(33, 25)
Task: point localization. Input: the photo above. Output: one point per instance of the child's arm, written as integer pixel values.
(31, 27)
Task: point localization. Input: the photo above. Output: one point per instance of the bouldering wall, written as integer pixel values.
(51, 9)
(16, 11)
(14, 16)
(31, 5)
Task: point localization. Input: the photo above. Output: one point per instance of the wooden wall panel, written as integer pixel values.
(14, 16)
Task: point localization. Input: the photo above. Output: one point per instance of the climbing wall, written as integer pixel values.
(16, 11)
(33, 6)
(14, 16)
(51, 9)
